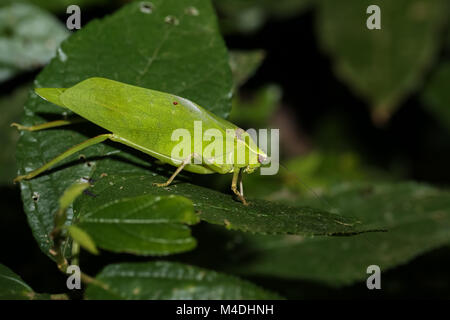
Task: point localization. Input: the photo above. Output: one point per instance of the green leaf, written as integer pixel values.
(135, 46)
(382, 66)
(145, 225)
(12, 287)
(28, 38)
(436, 95)
(214, 207)
(417, 218)
(244, 64)
(83, 239)
(323, 170)
(71, 193)
(170, 281)
(61, 216)
(11, 108)
(256, 111)
(60, 6)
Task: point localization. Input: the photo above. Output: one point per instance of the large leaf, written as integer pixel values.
(12, 287)
(172, 45)
(28, 38)
(143, 225)
(214, 207)
(417, 218)
(382, 66)
(437, 94)
(170, 281)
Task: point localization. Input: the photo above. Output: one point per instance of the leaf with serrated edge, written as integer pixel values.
(260, 216)
(132, 46)
(145, 224)
(170, 281)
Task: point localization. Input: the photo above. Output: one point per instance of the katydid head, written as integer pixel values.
(52, 95)
(254, 156)
(258, 158)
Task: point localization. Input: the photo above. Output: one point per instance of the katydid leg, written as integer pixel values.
(47, 125)
(64, 155)
(234, 181)
(241, 185)
(179, 169)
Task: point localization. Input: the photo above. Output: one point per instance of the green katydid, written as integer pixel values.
(145, 120)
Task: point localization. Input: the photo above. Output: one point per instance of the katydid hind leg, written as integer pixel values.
(64, 155)
(48, 125)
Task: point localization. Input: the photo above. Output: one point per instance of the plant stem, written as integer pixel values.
(59, 296)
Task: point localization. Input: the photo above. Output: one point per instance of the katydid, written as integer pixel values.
(145, 120)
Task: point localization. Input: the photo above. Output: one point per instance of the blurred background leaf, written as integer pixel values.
(11, 107)
(244, 64)
(382, 66)
(247, 16)
(323, 170)
(256, 110)
(436, 95)
(171, 281)
(58, 6)
(12, 287)
(29, 37)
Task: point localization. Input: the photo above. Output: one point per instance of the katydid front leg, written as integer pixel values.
(179, 169)
(237, 176)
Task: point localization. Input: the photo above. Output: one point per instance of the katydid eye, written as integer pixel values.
(263, 159)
